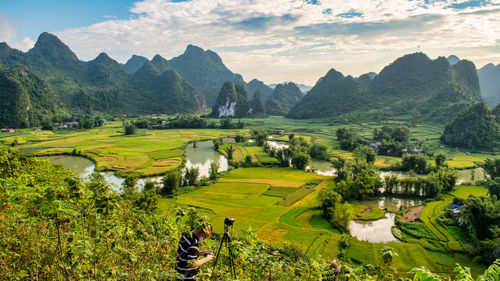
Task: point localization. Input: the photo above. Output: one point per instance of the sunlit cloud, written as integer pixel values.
(270, 40)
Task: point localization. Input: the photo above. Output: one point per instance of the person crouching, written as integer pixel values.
(188, 253)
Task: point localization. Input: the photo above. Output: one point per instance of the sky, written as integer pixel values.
(270, 40)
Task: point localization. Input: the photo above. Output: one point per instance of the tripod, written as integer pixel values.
(226, 239)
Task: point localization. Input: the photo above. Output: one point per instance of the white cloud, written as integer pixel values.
(25, 44)
(301, 34)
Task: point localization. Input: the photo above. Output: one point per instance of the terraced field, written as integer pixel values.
(282, 204)
(149, 152)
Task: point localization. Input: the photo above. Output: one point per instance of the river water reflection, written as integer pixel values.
(200, 157)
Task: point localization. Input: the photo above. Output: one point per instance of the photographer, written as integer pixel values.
(188, 262)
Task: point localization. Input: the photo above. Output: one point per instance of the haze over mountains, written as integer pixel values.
(433, 90)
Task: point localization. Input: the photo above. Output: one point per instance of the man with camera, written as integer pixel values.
(188, 253)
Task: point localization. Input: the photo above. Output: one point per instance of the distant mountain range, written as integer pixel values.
(52, 81)
(104, 85)
(431, 90)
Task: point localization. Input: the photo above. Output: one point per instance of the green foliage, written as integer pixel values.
(494, 187)
(130, 191)
(349, 139)
(130, 129)
(334, 211)
(255, 86)
(259, 136)
(214, 168)
(320, 151)
(440, 158)
(103, 85)
(301, 160)
(191, 176)
(53, 227)
(438, 182)
(365, 153)
(27, 101)
(171, 182)
(232, 101)
(386, 255)
(229, 151)
(415, 162)
(357, 179)
(472, 128)
(492, 167)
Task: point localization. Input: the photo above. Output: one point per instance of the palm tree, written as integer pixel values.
(229, 150)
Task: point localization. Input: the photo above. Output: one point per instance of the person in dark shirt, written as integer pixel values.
(188, 253)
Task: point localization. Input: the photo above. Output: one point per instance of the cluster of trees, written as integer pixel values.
(387, 140)
(356, 179)
(440, 181)
(392, 140)
(299, 152)
(186, 121)
(349, 139)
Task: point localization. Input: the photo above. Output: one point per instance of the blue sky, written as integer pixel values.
(274, 41)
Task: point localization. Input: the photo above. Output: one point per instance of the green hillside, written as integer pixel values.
(25, 99)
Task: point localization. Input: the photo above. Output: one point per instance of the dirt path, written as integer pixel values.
(412, 214)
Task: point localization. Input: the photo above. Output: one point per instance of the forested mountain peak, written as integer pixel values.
(259, 86)
(134, 63)
(333, 95)
(147, 69)
(160, 63)
(48, 47)
(284, 97)
(103, 58)
(204, 70)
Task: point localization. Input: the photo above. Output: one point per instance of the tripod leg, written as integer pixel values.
(217, 256)
(231, 259)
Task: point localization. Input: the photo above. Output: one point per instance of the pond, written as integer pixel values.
(202, 155)
(85, 168)
(392, 204)
(378, 231)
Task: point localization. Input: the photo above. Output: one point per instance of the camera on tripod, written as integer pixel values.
(225, 241)
(229, 221)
